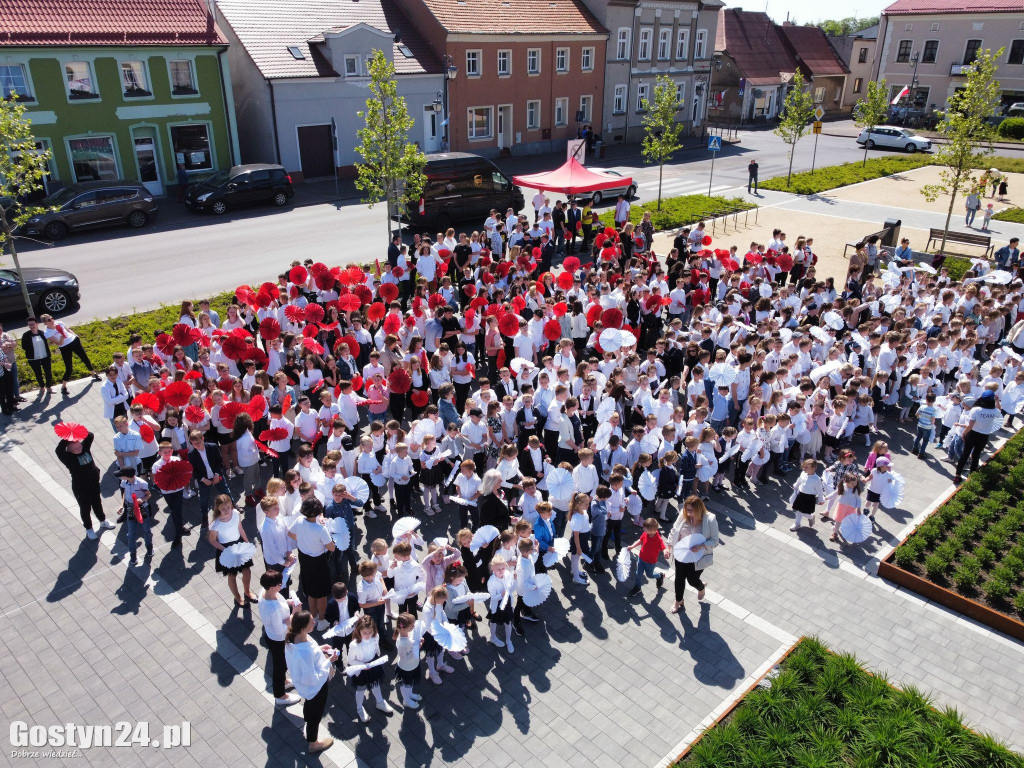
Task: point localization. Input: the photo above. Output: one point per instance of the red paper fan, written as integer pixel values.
(349, 302)
(552, 330)
(519, 303)
(388, 291)
(398, 272)
(508, 324)
(224, 384)
(357, 382)
(653, 303)
(286, 404)
(560, 308)
(355, 274)
(600, 240)
(165, 343)
(364, 294)
(194, 414)
(228, 412)
(754, 257)
(504, 267)
(420, 398)
(294, 313)
(706, 240)
(266, 448)
(565, 281)
(314, 313)
(257, 355)
(241, 333)
(487, 278)
(146, 433)
(353, 345)
(785, 262)
(375, 312)
(298, 275)
(479, 301)
(310, 331)
(609, 254)
(70, 431)
(147, 400)
(193, 375)
(721, 253)
(570, 264)
(181, 333)
(271, 435)
(469, 289)
(400, 381)
(610, 232)
(593, 314)
(392, 323)
(324, 280)
(256, 407)
(730, 264)
(612, 318)
(270, 329)
(173, 475)
(436, 300)
(312, 346)
(177, 393)
(234, 347)
(245, 294)
(270, 289)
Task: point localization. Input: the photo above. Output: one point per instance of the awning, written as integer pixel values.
(572, 179)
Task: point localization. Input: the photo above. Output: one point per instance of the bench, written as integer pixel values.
(964, 238)
(880, 234)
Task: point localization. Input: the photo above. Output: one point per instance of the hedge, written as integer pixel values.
(1011, 128)
(1011, 214)
(973, 544)
(824, 710)
(679, 211)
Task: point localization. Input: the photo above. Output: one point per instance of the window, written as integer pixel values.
(480, 120)
(643, 94)
(133, 78)
(681, 93)
(664, 43)
(931, 48)
(191, 146)
(533, 61)
(296, 52)
(13, 78)
(351, 66)
(93, 158)
(619, 103)
(819, 94)
(858, 85)
(623, 44)
(683, 44)
(700, 44)
(908, 27)
(586, 108)
(643, 51)
(183, 81)
(79, 78)
(561, 60)
(1016, 54)
(562, 111)
(971, 51)
(504, 63)
(587, 60)
(935, 26)
(532, 115)
(473, 63)
(903, 54)
(862, 56)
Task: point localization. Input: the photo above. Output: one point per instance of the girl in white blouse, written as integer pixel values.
(365, 647)
(311, 669)
(407, 674)
(225, 530)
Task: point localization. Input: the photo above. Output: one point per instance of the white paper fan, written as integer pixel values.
(605, 409)
(518, 363)
(340, 533)
(855, 528)
(890, 301)
(404, 525)
(891, 279)
(449, 636)
(482, 538)
(820, 334)
(604, 431)
(626, 337)
(237, 554)
(560, 484)
(833, 320)
(580, 524)
(998, 277)
(682, 549)
(358, 488)
(378, 479)
(471, 597)
(610, 340)
(821, 371)
(722, 374)
(926, 268)
(452, 474)
(342, 630)
(559, 549)
(634, 505)
(540, 591)
(650, 443)
(648, 485)
(892, 495)
(623, 564)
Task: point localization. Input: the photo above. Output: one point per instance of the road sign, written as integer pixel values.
(715, 143)
(819, 113)
(817, 126)
(577, 150)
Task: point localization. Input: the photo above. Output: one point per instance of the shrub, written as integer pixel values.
(985, 556)
(1014, 566)
(966, 576)
(936, 566)
(1018, 603)
(1011, 128)
(930, 531)
(997, 589)
(1011, 214)
(906, 555)
(993, 541)
(679, 211)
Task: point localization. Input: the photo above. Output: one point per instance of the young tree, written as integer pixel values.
(661, 128)
(22, 168)
(797, 112)
(392, 167)
(967, 132)
(872, 109)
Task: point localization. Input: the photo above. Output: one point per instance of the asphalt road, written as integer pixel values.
(188, 256)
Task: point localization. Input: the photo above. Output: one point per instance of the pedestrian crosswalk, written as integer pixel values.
(678, 187)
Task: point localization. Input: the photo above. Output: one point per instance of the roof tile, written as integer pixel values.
(953, 6)
(515, 17)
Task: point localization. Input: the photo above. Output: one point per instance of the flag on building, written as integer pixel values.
(901, 94)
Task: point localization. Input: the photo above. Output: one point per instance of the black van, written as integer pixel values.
(241, 185)
(461, 186)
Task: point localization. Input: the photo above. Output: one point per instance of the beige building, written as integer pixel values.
(927, 44)
(858, 53)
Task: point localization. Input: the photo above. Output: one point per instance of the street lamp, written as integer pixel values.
(716, 66)
(914, 59)
(450, 71)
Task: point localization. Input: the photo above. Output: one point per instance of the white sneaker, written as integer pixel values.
(434, 678)
(794, 527)
(322, 625)
(445, 668)
(384, 707)
(106, 525)
(508, 644)
(361, 712)
(91, 535)
(415, 696)
(410, 703)
(499, 643)
(287, 700)
(371, 514)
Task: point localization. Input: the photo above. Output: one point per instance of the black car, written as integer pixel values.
(92, 204)
(51, 291)
(241, 185)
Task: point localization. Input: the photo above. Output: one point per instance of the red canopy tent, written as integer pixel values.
(572, 179)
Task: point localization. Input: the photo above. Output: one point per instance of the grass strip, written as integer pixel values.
(1015, 215)
(677, 212)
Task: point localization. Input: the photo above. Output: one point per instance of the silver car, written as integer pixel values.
(627, 189)
(892, 137)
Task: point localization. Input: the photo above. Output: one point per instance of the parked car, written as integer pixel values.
(92, 204)
(629, 190)
(241, 185)
(891, 137)
(461, 186)
(1015, 110)
(50, 290)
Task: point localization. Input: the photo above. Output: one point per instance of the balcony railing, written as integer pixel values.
(960, 70)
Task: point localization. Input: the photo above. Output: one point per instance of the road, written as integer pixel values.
(188, 256)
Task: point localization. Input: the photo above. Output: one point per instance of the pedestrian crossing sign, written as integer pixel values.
(714, 143)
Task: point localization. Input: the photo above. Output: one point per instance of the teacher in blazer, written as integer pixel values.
(694, 518)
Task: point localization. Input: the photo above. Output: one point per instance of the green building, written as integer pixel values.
(129, 89)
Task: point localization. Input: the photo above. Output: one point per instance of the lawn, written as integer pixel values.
(824, 710)
(1015, 215)
(973, 544)
(679, 211)
(101, 338)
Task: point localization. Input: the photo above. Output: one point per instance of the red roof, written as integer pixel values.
(550, 18)
(815, 51)
(107, 22)
(571, 179)
(952, 6)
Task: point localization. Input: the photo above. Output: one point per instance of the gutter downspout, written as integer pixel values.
(273, 118)
(229, 107)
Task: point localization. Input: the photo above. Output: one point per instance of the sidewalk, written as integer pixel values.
(847, 129)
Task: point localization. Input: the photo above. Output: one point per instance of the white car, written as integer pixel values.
(892, 137)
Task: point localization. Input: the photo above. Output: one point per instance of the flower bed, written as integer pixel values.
(1015, 215)
(824, 709)
(680, 211)
(973, 544)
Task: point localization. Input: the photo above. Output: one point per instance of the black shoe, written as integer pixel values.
(518, 629)
(634, 592)
(133, 563)
(121, 518)
(660, 581)
(22, 400)
(149, 554)
(176, 544)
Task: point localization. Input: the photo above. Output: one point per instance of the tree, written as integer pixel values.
(847, 26)
(797, 112)
(872, 109)
(661, 128)
(967, 132)
(392, 167)
(22, 169)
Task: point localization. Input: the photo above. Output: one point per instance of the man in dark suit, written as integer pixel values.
(572, 218)
(37, 352)
(208, 471)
